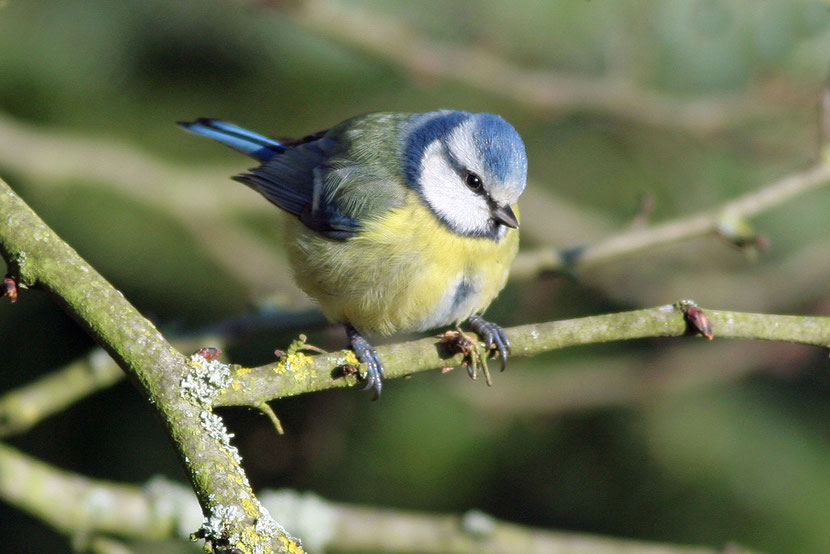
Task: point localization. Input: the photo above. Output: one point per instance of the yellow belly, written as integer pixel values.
(404, 272)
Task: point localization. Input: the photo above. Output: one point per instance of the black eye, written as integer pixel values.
(473, 181)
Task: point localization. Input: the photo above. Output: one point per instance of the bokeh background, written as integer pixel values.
(688, 102)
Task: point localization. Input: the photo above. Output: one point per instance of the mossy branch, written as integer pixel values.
(22, 408)
(85, 508)
(724, 219)
(302, 373)
(400, 44)
(36, 256)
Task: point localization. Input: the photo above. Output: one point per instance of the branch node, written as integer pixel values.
(645, 208)
(696, 318)
(10, 289)
(209, 353)
(477, 523)
(569, 258)
(737, 231)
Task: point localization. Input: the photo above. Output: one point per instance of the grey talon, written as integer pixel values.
(493, 335)
(367, 354)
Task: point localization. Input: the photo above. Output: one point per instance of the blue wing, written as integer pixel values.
(292, 175)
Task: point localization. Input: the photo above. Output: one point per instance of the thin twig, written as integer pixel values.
(824, 121)
(631, 241)
(266, 409)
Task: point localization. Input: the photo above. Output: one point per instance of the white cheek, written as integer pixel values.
(451, 199)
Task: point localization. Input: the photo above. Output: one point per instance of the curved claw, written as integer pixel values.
(367, 354)
(493, 335)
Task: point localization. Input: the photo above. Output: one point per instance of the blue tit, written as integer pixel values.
(401, 222)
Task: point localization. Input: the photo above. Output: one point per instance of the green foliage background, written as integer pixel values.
(742, 457)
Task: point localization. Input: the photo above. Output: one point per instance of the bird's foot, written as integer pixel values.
(367, 354)
(493, 335)
(457, 341)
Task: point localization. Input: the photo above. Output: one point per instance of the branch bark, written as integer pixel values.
(75, 505)
(299, 373)
(548, 92)
(36, 256)
(185, 193)
(22, 408)
(626, 243)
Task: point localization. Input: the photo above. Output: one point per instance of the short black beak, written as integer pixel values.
(505, 216)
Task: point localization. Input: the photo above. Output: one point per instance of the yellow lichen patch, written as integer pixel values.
(350, 358)
(293, 362)
(235, 385)
(243, 371)
(291, 546)
(250, 507)
(250, 536)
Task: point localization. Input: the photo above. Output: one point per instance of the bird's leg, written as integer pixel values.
(366, 354)
(493, 335)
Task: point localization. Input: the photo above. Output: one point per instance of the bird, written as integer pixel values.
(398, 222)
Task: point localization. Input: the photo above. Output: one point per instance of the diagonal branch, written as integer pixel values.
(60, 157)
(22, 408)
(36, 256)
(397, 43)
(717, 219)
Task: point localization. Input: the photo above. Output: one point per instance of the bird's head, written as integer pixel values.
(468, 168)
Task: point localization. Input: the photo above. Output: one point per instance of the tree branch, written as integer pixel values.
(36, 256)
(56, 158)
(719, 219)
(60, 157)
(301, 373)
(75, 504)
(22, 408)
(26, 406)
(629, 380)
(395, 42)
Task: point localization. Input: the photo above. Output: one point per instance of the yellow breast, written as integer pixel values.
(404, 272)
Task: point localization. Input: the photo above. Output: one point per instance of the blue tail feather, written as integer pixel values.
(287, 175)
(242, 140)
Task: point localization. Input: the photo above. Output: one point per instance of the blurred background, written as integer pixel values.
(675, 105)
